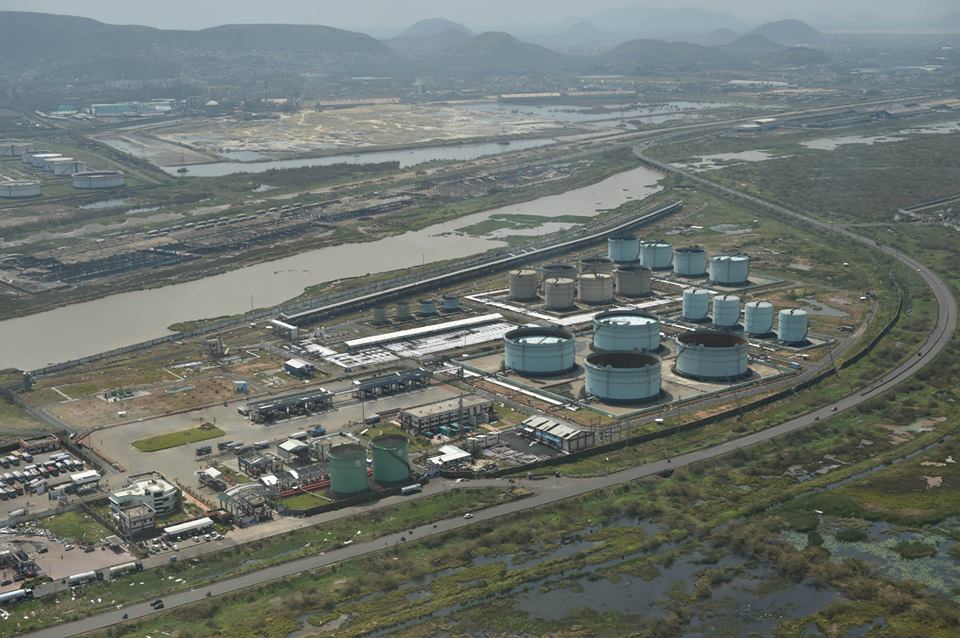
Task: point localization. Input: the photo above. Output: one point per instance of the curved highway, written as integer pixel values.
(550, 491)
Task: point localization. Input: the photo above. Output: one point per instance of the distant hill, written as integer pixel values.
(80, 47)
(657, 21)
(581, 38)
(495, 52)
(424, 38)
(720, 37)
(796, 56)
(788, 32)
(658, 54)
(432, 27)
(755, 42)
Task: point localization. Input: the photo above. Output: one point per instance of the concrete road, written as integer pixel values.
(550, 491)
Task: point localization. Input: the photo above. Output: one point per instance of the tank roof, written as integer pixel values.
(731, 257)
(390, 440)
(759, 304)
(633, 266)
(348, 450)
(690, 249)
(622, 359)
(799, 312)
(538, 334)
(711, 339)
(559, 281)
(596, 275)
(625, 317)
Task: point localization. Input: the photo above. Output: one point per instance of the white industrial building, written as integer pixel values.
(557, 434)
(147, 489)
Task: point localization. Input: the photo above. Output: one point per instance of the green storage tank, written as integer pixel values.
(391, 464)
(348, 469)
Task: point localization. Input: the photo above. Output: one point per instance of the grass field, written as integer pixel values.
(176, 439)
(76, 526)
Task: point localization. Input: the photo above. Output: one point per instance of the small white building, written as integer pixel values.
(292, 449)
(557, 434)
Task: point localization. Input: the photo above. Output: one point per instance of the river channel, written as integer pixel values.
(87, 328)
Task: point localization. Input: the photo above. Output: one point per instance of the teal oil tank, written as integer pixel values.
(391, 464)
(348, 469)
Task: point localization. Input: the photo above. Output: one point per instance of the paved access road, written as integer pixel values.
(551, 491)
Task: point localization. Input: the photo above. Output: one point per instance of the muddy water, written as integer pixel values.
(87, 328)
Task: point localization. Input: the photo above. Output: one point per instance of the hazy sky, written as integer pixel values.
(384, 14)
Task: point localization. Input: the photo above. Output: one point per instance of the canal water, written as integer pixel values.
(111, 322)
(406, 157)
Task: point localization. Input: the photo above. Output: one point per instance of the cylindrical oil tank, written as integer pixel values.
(623, 377)
(348, 469)
(403, 310)
(621, 248)
(539, 351)
(758, 317)
(523, 284)
(426, 307)
(596, 288)
(37, 159)
(626, 330)
(50, 164)
(730, 270)
(14, 149)
(690, 261)
(792, 325)
(726, 311)
(598, 264)
(656, 254)
(379, 315)
(97, 179)
(27, 157)
(66, 169)
(391, 459)
(451, 303)
(10, 190)
(558, 271)
(633, 280)
(696, 304)
(559, 293)
(715, 356)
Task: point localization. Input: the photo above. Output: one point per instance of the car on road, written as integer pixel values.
(157, 604)
(468, 515)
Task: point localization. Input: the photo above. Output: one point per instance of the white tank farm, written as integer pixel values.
(11, 190)
(690, 261)
(555, 271)
(726, 311)
(14, 149)
(403, 310)
(714, 356)
(656, 254)
(523, 284)
(66, 169)
(625, 330)
(598, 264)
(559, 293)
(792, 325)
(622, 248)
(758, 317)
(596, 288)
(623, 377)
(633, 280)
(696, 304)
(97, 179)
(731, 270)
(426, 307)
(539, 351)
